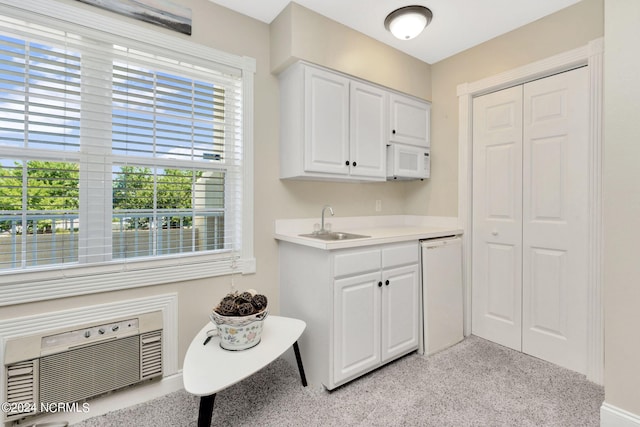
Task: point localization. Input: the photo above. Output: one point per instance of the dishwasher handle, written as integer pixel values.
(439, 242)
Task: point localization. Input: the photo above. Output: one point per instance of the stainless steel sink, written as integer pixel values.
(334, 235)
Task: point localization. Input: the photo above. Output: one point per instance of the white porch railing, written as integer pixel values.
(45, 239)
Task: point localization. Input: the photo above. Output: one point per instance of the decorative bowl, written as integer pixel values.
(239, 332)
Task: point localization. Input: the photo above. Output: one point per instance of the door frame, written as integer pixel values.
(591, 55)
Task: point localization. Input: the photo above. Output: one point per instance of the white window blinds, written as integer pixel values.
(113, 150)
(41, 94)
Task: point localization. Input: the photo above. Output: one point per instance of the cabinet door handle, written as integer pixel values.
(386, 282)
(379, 284)
(354, 164)
(347, 163)
(393, 131)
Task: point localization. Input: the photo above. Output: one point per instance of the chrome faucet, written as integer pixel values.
(322, 230)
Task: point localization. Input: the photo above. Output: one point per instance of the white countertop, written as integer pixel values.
(381, 229)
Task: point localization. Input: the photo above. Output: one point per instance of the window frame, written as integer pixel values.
(49, 282)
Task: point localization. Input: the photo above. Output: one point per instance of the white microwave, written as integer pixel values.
(407, 162)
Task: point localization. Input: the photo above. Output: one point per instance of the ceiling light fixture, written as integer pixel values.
(407, 22)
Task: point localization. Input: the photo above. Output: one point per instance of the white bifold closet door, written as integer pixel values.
(529, 250)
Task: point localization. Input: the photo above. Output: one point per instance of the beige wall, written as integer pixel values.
(565, 30)
(299, 33)
(621, 196)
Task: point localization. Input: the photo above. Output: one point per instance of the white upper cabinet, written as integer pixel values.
(410, 120)
(326, 122)
(368, 131)
(334, 127)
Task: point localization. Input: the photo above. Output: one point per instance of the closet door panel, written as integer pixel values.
(548, 295)
(555, 184)
(497, 217)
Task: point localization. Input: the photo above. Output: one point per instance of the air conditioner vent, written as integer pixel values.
(85, 372)
(151, 354)
(21, 386)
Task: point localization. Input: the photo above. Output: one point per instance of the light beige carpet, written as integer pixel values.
(475, 383)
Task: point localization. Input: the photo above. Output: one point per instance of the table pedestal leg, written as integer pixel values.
(299, 361)
(206, 410)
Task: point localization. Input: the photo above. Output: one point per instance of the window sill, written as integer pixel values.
(29, 286)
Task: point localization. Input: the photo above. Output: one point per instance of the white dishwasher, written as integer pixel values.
(442, 324)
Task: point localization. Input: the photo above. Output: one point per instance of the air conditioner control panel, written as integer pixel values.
(47, 342)
(66, 340)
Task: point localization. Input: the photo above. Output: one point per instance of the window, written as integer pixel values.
(176, 147)
(115, 152)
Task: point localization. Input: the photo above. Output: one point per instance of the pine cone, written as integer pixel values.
(259, 301)
(229, 297)
(246, 296)
(227, 307)
(245, 309)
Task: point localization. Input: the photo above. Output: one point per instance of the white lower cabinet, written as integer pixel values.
(400, 311)
(375, 320)
(361, 306)
(356, 320)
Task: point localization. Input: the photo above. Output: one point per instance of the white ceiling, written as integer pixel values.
(457, 24)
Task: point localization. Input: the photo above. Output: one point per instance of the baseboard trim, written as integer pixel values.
(612, 416)
(118, 400)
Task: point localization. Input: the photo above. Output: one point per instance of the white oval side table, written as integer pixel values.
(208, 368)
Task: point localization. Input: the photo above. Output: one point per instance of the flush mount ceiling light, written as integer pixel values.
(407, 22)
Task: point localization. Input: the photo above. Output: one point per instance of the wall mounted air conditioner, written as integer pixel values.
(69, 366)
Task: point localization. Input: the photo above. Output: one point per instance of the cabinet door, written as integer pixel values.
(356, 326)
(400, 311)
(410, 120)
(368, 131)
(326, 122)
